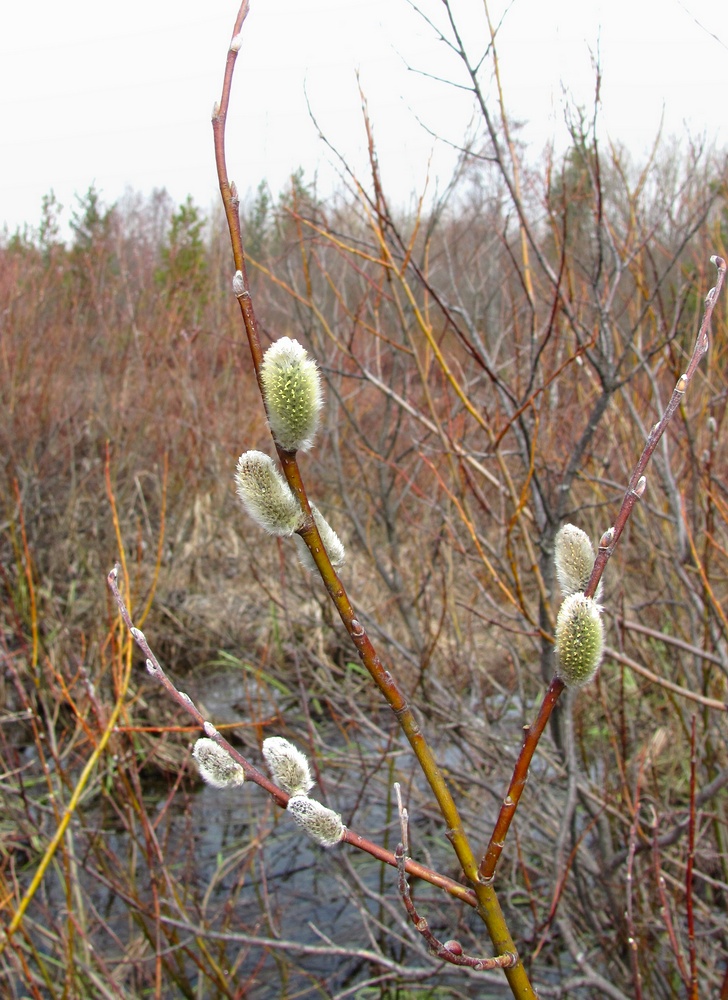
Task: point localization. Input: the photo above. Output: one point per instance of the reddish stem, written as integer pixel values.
(518, 781)
(690, 912)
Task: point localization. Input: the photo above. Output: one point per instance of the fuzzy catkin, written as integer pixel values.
(216, 766)
(292, 391)
(579, 640)
(287, 765)
(574, 559)
(332, 543)
(266, 495)
(322, 824)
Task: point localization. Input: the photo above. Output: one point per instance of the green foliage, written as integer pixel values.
(258, 222)
(50, 225)
(183, 253)
(183, 271)
(90, 221)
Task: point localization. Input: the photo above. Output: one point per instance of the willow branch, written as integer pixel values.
(635, 489)
(488, 906)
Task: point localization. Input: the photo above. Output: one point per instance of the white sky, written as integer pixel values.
(121, 94)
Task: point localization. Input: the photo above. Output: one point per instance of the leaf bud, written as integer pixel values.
(579, 640)
(454, 947)
(266, 495)
(287, 765)
(292, 391)
(607, 539)
(216, 766)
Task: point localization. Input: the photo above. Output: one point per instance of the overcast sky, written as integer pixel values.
(121, 94)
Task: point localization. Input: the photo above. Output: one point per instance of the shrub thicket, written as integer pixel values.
(492, 365)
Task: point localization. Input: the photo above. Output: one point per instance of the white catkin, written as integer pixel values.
(574, 559)
(266, 495)
(288, 765)
(322, 824)
(332, 543)
(216, 766)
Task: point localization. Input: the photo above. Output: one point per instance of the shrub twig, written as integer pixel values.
(449, 951)
(607, 544)
(488, 905)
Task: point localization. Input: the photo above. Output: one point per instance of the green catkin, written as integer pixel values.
(292, 391)
(579, 640)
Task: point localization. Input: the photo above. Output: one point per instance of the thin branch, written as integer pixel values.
(609, 540)
(701, 699)
(450, 951)
(488, 906)
(637, 482)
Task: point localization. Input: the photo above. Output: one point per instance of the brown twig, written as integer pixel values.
(632, 941)
(450, 951)
(518, 781)
(689, 905)
(637, 482)
(701, 699)
(665, 908)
